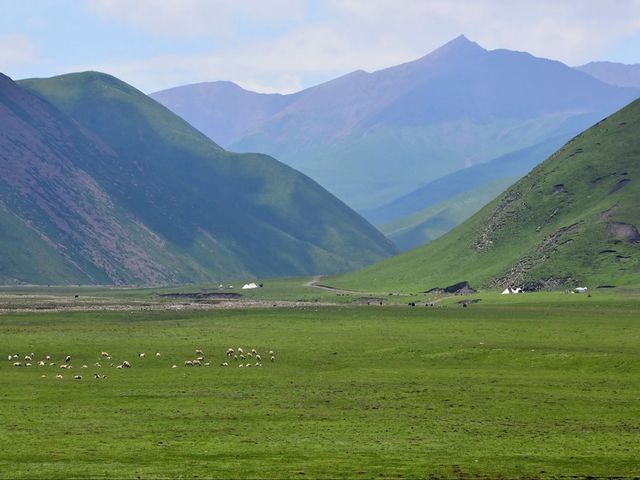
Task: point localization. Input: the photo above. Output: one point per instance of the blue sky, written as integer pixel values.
(287, 45)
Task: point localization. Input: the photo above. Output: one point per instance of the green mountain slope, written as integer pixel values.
(127, 192)
(430, 223)
(572, 220)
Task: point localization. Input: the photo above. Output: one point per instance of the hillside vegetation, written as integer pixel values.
(572, 220)
(105, 185)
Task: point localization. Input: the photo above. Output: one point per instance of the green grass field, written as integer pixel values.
(542, 385)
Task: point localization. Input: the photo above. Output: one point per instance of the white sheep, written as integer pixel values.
(141, 354)
(104, 354)
(59, 376)
(197, 363)
(271, 353)
(67, 358)
(199, 351)
(188, 363)
(174, 366)
(157, 354)
(41, 363)
(17, 364)
(78, 377)
(224, 364)
(126, 364)
(258, 358)
(27, 358)
(230, 352)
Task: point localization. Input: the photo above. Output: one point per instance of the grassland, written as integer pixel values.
(539, 385)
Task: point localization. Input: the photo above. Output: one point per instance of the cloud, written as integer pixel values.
(197, 18)
(16, 49)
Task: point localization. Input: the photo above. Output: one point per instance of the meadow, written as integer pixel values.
(533, 386)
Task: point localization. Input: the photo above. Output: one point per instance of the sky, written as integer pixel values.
(287, 45)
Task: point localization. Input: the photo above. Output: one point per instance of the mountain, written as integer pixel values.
(222, 110)
(612, 73)
(371, 138)
(102, 184)
(573, 220)
(430, 223)
(435, 208)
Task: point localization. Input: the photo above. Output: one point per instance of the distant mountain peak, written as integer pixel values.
(460, 43)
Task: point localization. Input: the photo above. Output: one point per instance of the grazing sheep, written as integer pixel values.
(199, 351)
(200, 359)
(241, 365)
(258, 358)
(248, 365)
(273, 358)
(17, 364)
(15, 356)
(230, 352)
(78, 377)
(104, 354)
(52, 364)
(98, 376)
(10, 357)
(188, 363)
(250, 355)
(224, 364)
(240, 350)
(235, 357)
(47, 358)
(118, 366)
(271, 353)
(197, 363)
(27, 358)
(64, 365)
(59, 377)
(126, 364)
(41, 363)
(174, 366)
(242, 356)
(141, 354)
(157, 354)
(253, 351)
(258, 364)
(43, 376)
(207, 364)
(97, 364)
(27, 364)
(67, 359)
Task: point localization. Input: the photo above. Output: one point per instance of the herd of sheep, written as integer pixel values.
(243, 360)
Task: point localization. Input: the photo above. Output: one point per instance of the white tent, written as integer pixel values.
(508, 291)
(248, 286)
